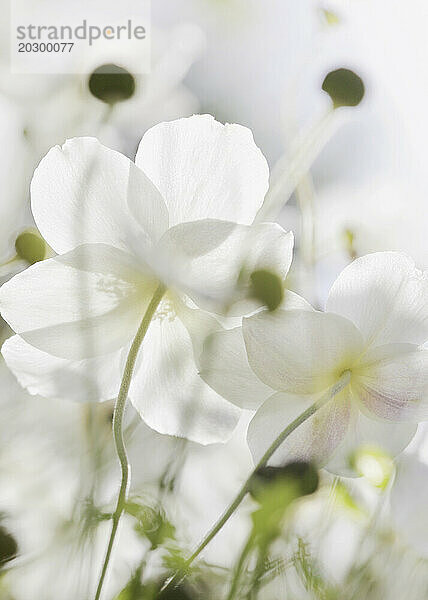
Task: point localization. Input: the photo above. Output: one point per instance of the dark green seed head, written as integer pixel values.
(344, 87)
(8, 547)
(30, 246)
(267, 287)
(111, 83)
(304, 474)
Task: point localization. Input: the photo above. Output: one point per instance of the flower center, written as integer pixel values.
(343, 371)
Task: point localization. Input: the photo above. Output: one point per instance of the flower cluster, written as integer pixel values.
(181, 218)
(164, 285)
(279, 363)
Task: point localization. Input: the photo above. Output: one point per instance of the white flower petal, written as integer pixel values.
(167, 390)
(249, 306)
(385, 296)
(362, 432)
(80, 194)
(208, 257)
(266, 247)
(314, 440)
(292, 301)
(269, 247)
(202, 257)
(85, 303)
(392, 382)
(224, 363)
(224, 366)
(89, 380)
(200, 325)
(204, 169)
(300, 351)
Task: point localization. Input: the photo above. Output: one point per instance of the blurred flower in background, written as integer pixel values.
(40, 111)
(368, 184)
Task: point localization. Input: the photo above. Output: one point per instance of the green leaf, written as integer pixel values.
(344, 87)
(175, 560)
(310, 574)
(151, 523)
(136, 590)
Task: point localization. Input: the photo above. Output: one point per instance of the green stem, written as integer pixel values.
(305, 199)
(10, 261)
(240, 567)
(119, 411)
(331, 393)
(259, 572)
(290, 170)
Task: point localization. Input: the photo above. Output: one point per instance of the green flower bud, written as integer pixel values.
(30, 246)
(344, 87)
(111, 83)
(267, 287)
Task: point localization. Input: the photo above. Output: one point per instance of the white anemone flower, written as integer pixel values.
(181, 216)
(376, 321)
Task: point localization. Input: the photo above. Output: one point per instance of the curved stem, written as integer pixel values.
(290, 170)
(331, 393)
(119, 411)
(305, 195)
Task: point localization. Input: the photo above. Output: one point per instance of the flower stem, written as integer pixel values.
(290, 170)
(240, 567)
(119, 411)
(331, 393)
